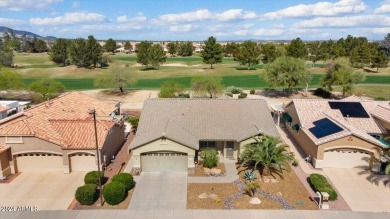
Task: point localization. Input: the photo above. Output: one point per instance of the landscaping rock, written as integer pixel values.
(255, 201)
(203, 195)
(206, 171)
(279, 194)
(215, 171)
(274, 181)
(213, 196)
(266, 180)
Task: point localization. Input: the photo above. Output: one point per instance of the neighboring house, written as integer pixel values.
(172, 131)
(3, 112)
(10, 107)
(59, 135)
(339, 133)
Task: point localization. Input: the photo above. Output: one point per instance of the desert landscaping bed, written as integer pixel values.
(199, 170)
(219, 190)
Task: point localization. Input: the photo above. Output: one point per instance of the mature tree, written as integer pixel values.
(340, 73)
(39, 45)
(385, 45)
(269, 153)
(170, 89)
(229, 49)
(172, 48)
(10, 80)
(47, 87)
(117, 77)
(363, 55)
(59, 51)
(78, 53)
(248, 53)
(209, 85)
(212, 52)
(94, 51)
(186, 48)
(110, 45)
(143, 49)
(297, 49)
(314, 51)
(157, 56)
(128, 47)
(269, 52)
(6, 56)
(380, 60)
(286, 72)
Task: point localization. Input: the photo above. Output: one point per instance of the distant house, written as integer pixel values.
(10, 107)
(171, 132)
(340, 133)
(59, 135)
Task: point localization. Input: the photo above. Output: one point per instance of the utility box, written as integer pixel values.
(325, 200)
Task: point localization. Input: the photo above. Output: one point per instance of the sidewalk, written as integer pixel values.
(231, 175)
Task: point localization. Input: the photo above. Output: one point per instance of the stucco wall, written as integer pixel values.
(166, 145)
(113, 142)
(5, 168)
(32, 144)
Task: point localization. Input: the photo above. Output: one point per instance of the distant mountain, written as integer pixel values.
(18, 32)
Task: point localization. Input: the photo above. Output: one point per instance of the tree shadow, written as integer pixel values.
(374, 177)
(369, 70)
(149, 69)
(272, 93)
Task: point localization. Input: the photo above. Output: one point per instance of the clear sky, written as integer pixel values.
(198, 19)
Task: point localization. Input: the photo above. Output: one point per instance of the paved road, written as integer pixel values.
(44, 190)
(194, 214)
(160, 190)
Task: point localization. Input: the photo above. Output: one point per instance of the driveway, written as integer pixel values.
(43, 190)
(160, 190)
(360, 189)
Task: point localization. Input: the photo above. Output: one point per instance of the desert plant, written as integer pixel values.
(321, 184)
(87, 194)
(229, 94)
(125, 178)
(252, 91)
(210, 158)
(242, 95)
(250, 175)
(295, 163)
(93, 177)
(114, 193)
(251, 187)
(217, 200)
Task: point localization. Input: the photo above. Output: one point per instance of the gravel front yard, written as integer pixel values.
(199, 170)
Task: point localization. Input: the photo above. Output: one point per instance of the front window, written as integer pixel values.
(206, 144)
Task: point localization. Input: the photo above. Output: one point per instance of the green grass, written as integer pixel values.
(371, 79)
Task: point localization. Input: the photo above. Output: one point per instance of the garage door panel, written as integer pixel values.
(345, 159)
(83, 162)
(36, 163)
(164, 163)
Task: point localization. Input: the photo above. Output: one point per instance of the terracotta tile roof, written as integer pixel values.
(188, 121)
(3, 108)
(3, 148)
(311, 110)
(37, 120)
(382, 112)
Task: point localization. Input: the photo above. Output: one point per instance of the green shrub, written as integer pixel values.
(133, 121)
(380, 98)
(242, 95)
(210, 158)
(93, 177)
(183, 96)
(125, 178)
(114, 193)
(321, 184)
(87, 194)
(252, 91)
(322, 93)
(229, 94)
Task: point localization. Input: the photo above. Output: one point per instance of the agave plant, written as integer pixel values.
(250, 175)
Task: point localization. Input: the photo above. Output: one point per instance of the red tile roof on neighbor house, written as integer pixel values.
(61, 118)
(311, 110)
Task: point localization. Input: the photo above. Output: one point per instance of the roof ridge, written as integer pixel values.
(208, 99)
(56, 98)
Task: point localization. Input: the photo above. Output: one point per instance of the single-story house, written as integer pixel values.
(339, 133)
(59, 135)
(172, 131)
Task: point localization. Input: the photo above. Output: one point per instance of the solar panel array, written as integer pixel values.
(324, 127)
(350, 109)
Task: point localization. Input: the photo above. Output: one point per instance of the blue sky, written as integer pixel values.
(198, 19)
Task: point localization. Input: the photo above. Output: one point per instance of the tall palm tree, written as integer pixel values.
(268, 153)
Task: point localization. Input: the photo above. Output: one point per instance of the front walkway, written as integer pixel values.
(231, 175)
(160, 190)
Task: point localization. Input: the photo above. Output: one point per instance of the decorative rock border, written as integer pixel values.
(228, 202)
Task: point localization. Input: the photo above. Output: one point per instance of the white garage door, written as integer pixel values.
(39, 162)
(82, 162)
(164, 162)
(346, 159)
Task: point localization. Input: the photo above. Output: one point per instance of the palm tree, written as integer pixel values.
(268, 153)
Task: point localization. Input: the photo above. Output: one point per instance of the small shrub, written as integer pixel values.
(321, 184)
(229, 94)
(210, 158)
(322, 93)
(114, 193)
(242, 95)
(235, 91)
(217, 200)
(251, 188)
(229, 89)
(252, 91)
(295, 163)
(93, 178)
(183, 96)
(87, 194)
(248, 175)
(125, 178)
(380, 98)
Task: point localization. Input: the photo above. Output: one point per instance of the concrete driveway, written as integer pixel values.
(43, 190)
(360, 189)
(160, 190)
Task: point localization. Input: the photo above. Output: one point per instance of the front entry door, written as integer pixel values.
(229, 149)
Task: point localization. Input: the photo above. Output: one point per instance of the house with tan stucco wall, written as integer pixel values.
(171, 132)
(344, 133)
(59, 135)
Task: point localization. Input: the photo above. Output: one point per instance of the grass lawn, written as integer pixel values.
(374, 91)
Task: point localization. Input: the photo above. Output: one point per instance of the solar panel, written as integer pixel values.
(350, 109)
(324, 127)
